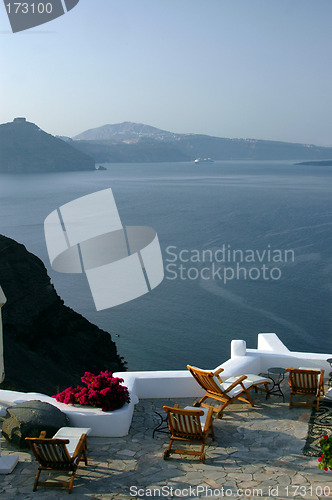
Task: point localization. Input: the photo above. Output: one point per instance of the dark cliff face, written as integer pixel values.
(25, 148)
(47, 346)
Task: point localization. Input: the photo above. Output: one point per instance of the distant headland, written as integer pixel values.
(320, 163)
(25, 148)
(136, 142)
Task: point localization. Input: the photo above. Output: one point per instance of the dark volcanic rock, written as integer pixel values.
(47, 346)
(28, 419)
(25, 148)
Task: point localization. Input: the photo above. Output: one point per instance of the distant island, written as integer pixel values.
(25, 148)
(136, 142)
(323, 163)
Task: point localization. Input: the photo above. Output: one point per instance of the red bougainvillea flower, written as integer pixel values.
(325, 460)
(103, 391)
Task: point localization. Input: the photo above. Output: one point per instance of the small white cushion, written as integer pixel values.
(73, 434)
(70, 432)
(252, 379)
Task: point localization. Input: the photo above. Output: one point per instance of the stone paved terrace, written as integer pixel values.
(257, 450)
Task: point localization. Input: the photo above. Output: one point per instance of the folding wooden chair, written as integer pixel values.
(225, 392)
(305, 382)
(55, 455)
(189, 424)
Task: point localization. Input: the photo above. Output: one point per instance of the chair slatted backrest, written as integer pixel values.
(303, 380)
(52, 453)
(205, 379)
(185, 423)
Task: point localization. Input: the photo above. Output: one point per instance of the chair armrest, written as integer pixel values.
(237, 382)
(47, 440)
(217, 373)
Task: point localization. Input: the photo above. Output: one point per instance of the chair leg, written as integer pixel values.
(72, 481)
(201, 454)
(249, 399)
(85, 457)
(168, 451)
(290, 400)
(266, 387)
(36, 480)
(85, 447)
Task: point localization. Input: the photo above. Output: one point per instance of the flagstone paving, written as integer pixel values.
(257, 454)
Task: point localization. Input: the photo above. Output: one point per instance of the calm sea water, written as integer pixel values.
(275, 214)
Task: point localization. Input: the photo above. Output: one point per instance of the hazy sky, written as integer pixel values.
(230, 68)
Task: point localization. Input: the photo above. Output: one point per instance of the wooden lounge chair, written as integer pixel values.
(305, 382)
(225, 392)
(189, 424)
(57, 454)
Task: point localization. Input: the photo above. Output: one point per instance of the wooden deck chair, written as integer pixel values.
(225, 392)
(53, 455)
(189, 424)
(305, 382)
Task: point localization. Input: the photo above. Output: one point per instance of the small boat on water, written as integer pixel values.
(203, 160)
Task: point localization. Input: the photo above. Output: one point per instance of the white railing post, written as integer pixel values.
(238, 348)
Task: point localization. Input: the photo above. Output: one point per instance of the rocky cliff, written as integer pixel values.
(25, 148)
(47, 346)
